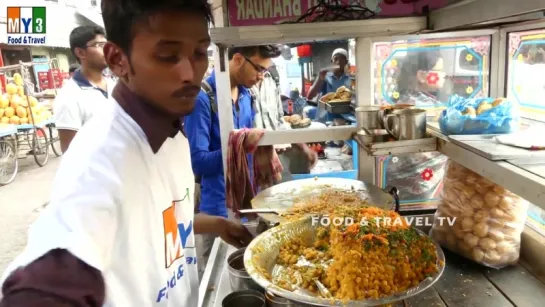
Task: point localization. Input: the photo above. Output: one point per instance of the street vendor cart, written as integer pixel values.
(22, 109)
(495, 48)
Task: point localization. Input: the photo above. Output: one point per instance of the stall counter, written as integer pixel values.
(215, 282)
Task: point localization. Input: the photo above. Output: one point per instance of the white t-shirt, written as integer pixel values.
(124, 211)
(76, 103)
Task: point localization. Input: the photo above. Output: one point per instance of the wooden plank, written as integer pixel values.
(428, 298)
(463, 285)
(519, 285)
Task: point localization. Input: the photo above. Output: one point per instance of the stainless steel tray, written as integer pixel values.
(283, 196)
(263, 251)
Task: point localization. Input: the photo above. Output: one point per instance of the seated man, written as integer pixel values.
(330, 81)
(246, 67)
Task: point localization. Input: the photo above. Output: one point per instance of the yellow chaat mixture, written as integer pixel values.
(368, 261)
(323, 203)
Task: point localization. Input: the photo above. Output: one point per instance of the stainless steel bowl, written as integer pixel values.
(244, 298)
(368, 117)
(238, 277)
(262, 252)
(374, 136)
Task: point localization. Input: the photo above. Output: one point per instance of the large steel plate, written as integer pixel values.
(262, 252)
(284, 195)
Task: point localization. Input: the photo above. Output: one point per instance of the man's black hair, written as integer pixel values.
(120, 16)
(80, 36)
(264, 51)
(73, 68)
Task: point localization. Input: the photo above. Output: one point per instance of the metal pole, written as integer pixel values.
(365, 96)
(302, 90)
(225, 103)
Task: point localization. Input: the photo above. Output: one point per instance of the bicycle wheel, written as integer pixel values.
(40, 147)
(55, 142)
(9, 164)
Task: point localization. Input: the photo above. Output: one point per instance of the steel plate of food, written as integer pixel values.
(297, 198)
(362, 257)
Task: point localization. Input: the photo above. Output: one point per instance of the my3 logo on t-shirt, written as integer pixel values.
(178, 232)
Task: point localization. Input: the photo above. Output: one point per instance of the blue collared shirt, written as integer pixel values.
(203, 132)
(332, 83)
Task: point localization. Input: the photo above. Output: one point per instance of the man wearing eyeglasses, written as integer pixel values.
(247, 66)
(88, 90)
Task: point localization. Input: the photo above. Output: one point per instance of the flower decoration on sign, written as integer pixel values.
(480, 46)
(395, 159)
(520, 58)
(383, 51)
(433, 78)
(395, 95)
(469, 57)
(469, 90)
(393, 63)
(427, 174)
(514, 42)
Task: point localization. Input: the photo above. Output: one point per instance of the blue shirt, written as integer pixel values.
(332, 83)
(203, 132)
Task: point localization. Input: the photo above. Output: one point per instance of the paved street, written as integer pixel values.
(20, 203)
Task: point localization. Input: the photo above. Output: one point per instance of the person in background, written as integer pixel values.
(329, 81)
(270, 112)
(119, 231)
(247, 65)
(419, 176)
(72, 69)
(88, 90)
(270, 116)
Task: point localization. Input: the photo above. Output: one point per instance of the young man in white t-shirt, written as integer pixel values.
(119, 230)
(87, 91)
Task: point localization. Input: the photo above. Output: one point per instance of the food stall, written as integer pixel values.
(486, 42)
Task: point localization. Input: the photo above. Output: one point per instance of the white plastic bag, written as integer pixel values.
(489, 219)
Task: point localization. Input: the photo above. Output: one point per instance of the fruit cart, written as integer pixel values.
(32, 119)
(9, 163)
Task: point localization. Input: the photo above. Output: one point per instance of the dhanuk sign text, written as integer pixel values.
(268, 12)
(26, 25)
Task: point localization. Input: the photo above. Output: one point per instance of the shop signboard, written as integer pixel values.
(268, 12)
(26, 25)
